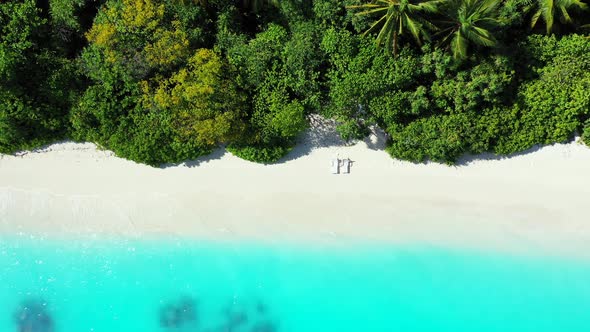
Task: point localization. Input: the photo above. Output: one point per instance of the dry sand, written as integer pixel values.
(531, 203)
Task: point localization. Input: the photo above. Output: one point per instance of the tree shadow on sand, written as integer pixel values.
(470, 159)
(323, 134)
(320, 134)
(32, 316)
(473, 159)
(216, 154)
(377, 139)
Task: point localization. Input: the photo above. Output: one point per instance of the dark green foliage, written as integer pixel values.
(64, 17)
(552, 12)
(550, 107)
(586, 133)
(480, 86)
(259, 154)
(458, 113)
(367, 84)
(69, 20)
(155, 96)
(281, 71)
(101, 110)
(161, 81)
(553, 106)
(394, 19)
(329, 13)
(469, 23)
(37, 84)
(439, 138)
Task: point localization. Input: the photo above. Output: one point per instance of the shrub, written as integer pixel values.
(586, 133)
(259, 154)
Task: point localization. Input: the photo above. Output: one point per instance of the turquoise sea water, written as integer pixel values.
(142, 285)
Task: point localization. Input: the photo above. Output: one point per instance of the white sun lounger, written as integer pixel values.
(335, 166)
(346, 166)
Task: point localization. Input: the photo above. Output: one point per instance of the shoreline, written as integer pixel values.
(529, 204)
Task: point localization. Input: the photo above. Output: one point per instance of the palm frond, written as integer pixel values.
(469, 22)
(566, 16)
(397, 18)
(535, 18)
(548, 10)
(459, 46)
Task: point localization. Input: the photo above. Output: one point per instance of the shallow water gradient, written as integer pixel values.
(109, 285)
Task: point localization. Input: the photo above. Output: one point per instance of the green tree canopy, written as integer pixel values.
(552, 11)
(468, 22)
(156, 96)
(281, 68)
(397, 18)
(36, 81)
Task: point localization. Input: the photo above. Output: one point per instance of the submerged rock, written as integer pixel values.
(32, 316)
(178, 314)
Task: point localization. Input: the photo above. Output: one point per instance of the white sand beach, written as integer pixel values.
(530, 203)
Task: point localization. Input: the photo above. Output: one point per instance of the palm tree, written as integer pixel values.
(549, 10)
(468, 22)
(398, 17)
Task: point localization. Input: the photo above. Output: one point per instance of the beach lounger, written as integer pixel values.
(346, 166)
(335, 166)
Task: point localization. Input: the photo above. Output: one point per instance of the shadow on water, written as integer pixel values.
(32, 316)
(235, 318)
(264, 327)
(245, 318)
(181, 313)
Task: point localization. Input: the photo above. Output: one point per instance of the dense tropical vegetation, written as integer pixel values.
(161, 81)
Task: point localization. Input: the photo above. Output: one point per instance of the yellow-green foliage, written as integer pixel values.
(102, 34)
(154, 99)
(142, 15)
(169, 46)
(136, 29)
(131, 16)
(161, 81)
(205, 105)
